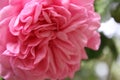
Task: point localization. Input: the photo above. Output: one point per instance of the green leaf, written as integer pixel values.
(103, 8)
(113, 49)
(116, 0)
(115, 12)
(0, 78)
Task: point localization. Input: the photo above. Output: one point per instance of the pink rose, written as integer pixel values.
(45, 39)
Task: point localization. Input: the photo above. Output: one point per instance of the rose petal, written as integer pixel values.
(95, 41)
(6, 12)
(82, 2)
(3, 34)
(5, 68)
(20, 2)
(13, 48)
(3, 3)
(40, 54)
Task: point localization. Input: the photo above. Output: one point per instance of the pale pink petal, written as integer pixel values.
(18, 2)
(82, 2)
(3, 34)
(6, 12)
(3, 3)
(95, 41)
(13, 2)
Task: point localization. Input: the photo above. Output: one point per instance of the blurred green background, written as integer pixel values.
(103, 64)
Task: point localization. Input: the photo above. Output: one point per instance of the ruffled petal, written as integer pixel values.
(94, 41)
(7, 12)
(82, 2)
(3, 3)
(3, 34)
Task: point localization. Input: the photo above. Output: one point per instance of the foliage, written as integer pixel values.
(0, 78)
(116, 12)
(108, 8)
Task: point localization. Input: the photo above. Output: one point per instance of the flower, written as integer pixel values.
(45, 39)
